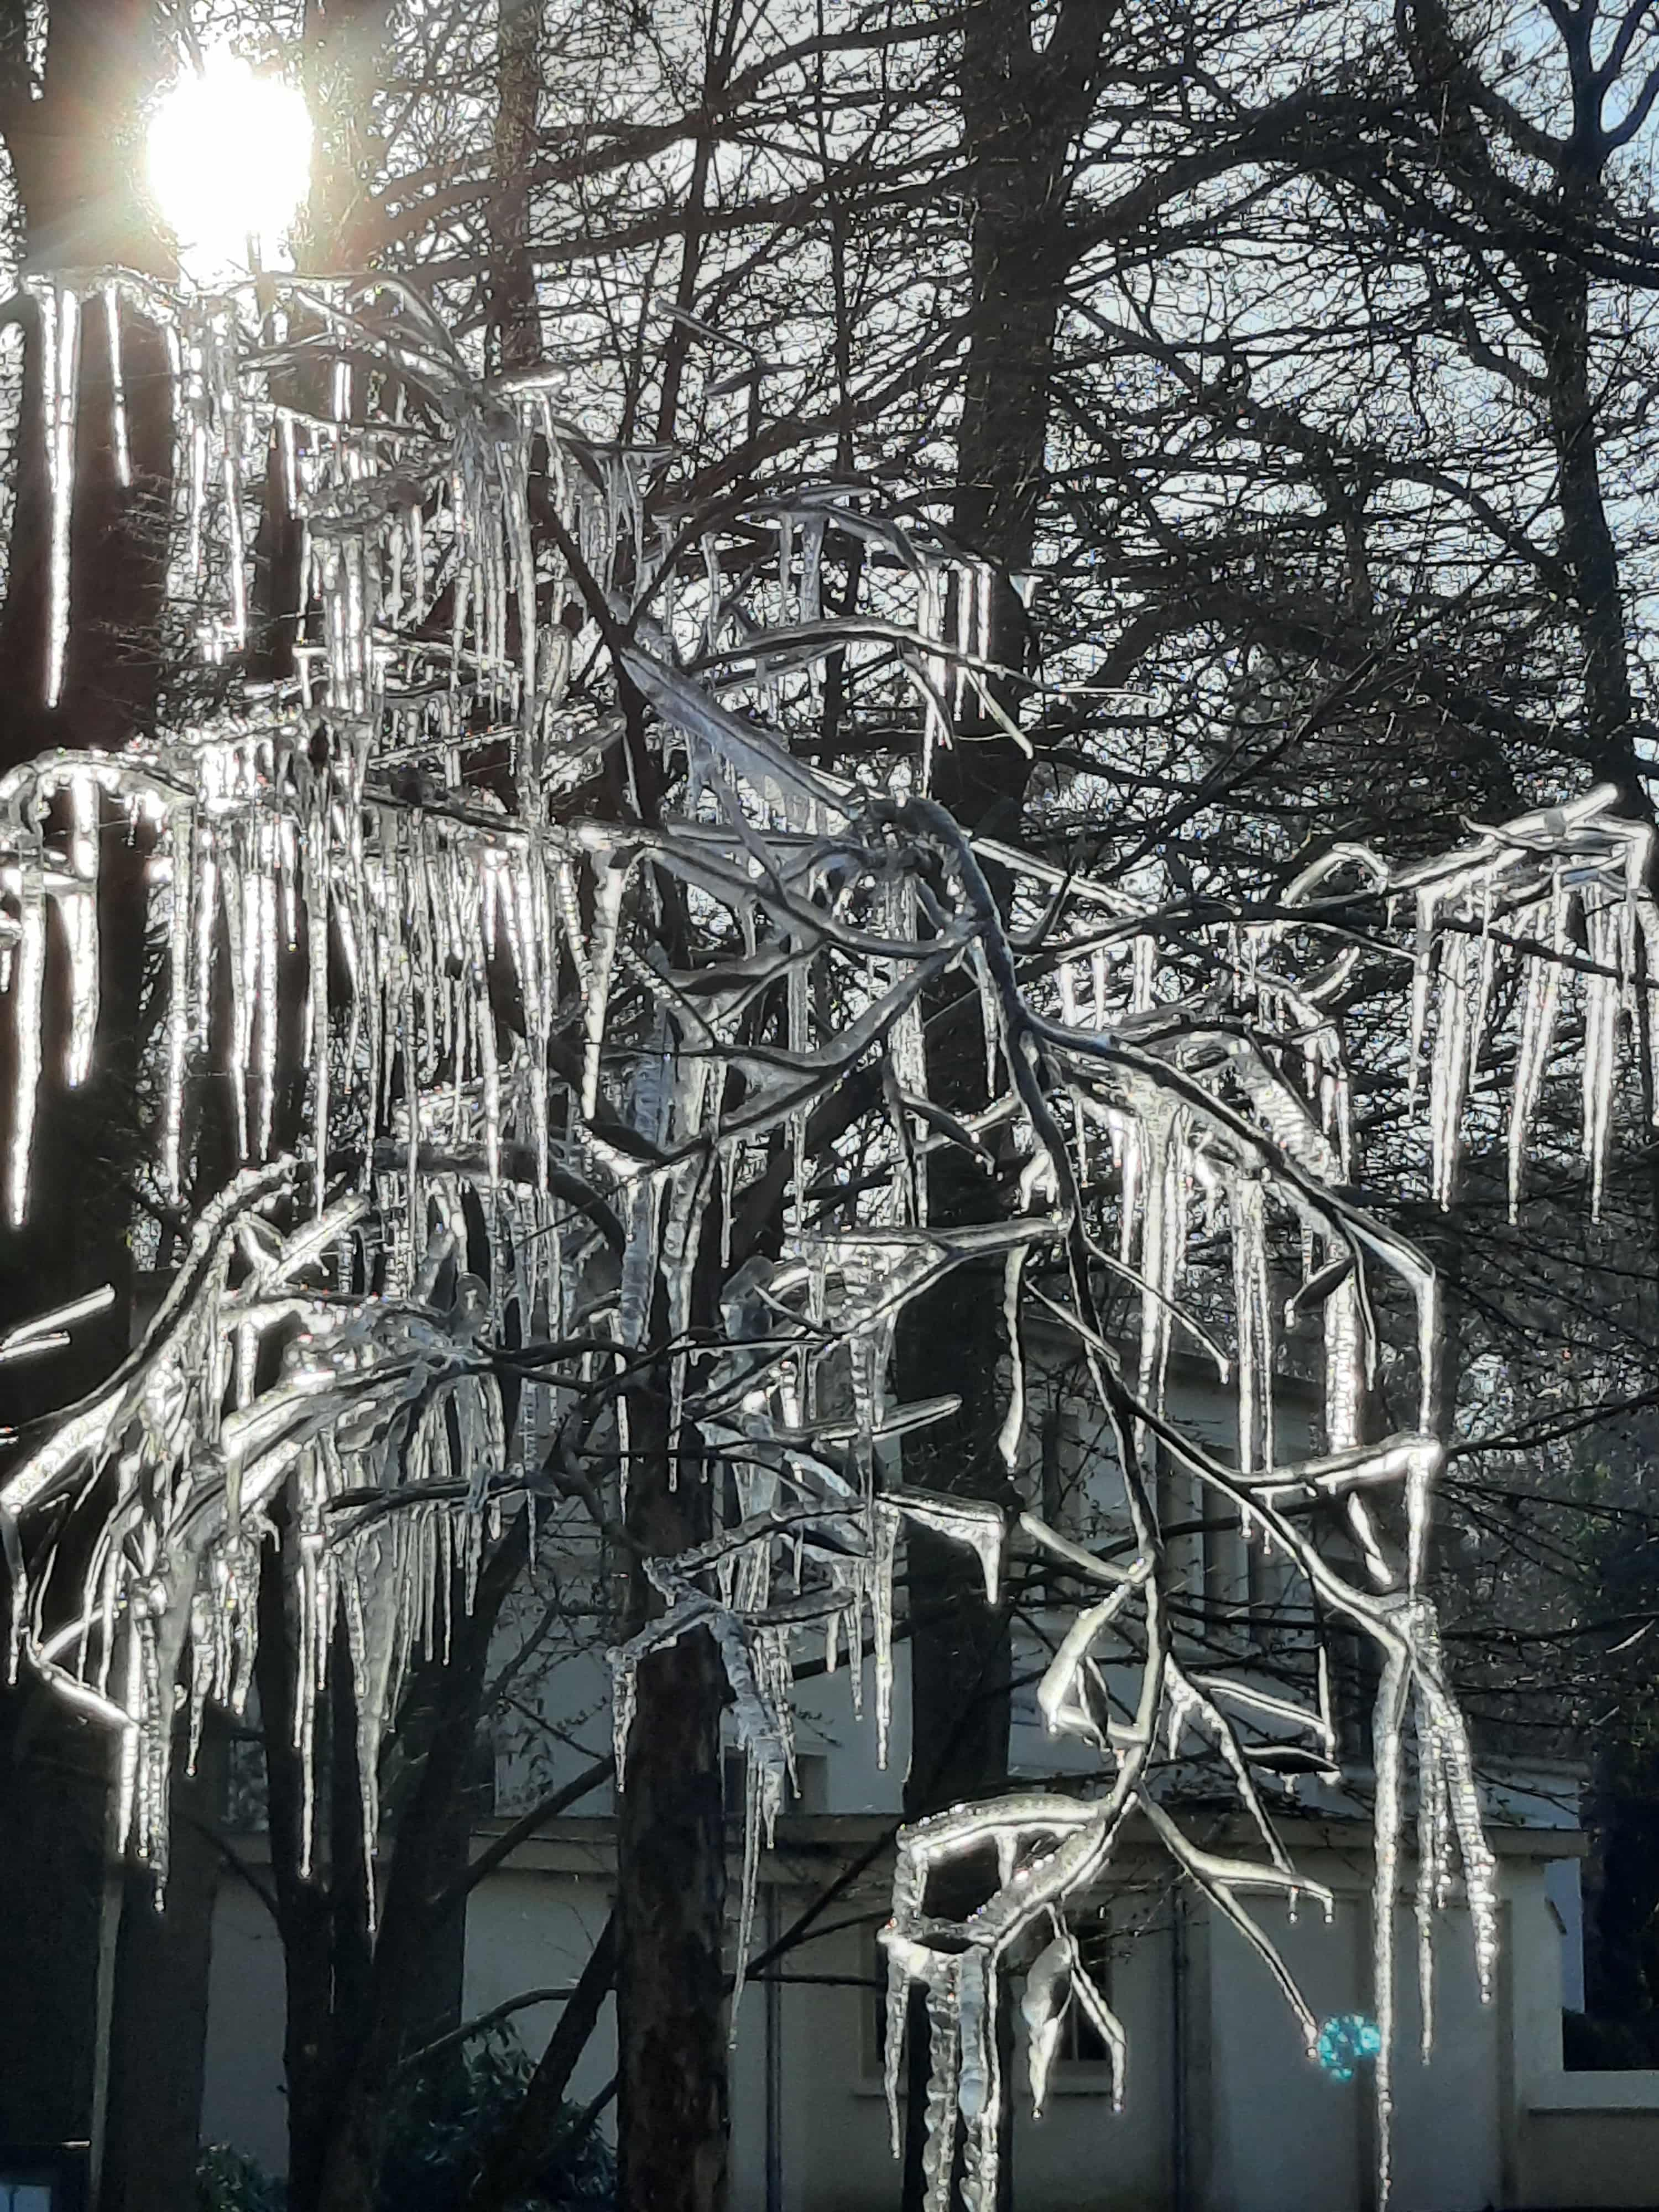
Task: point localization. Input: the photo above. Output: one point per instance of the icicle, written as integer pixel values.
(1453, 1049)
(978, 2090)
(750, 1884)
(267, 969)
(882, 1541)
(1431, 1868)
(315, 894)
(78, 910)
(609, 883)
(236, 554)
(117, 400)
(640, 1261)
(195, 452)
(990, 1017)
(946, 2048)
(1252, 1320)
(1145, 971)
(1388, 1721)
(1043, 2009)
(27, 989)
(1603, 996)
(60, 347)
(1541, 1001)
(1422, 972)
(180, 839)
(1013, 1433)
(1345, 1366)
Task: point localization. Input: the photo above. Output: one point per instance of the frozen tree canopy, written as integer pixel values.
(588, 986)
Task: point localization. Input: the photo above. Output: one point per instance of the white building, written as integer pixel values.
(1224, 2110)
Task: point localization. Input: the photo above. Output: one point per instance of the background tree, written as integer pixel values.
(1226, 675)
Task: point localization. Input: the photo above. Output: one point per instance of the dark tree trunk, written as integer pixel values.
(671, 1875)
(303, 1917)
(1559, 299)
(73, 168)
(343, 45)
(158, 2036)
(68, 1985)
(54, 1793)
(339, 229)
(1022, 107)
(514, 321)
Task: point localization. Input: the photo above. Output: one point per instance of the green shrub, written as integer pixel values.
(228, 2180)
(445, 2117)
(449, 2113)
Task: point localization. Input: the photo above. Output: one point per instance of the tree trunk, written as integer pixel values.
(79, 211)
(64, 1978)
(1021, 108)
(338, 229)
(513, 320)
(342, 49)
(303, 1918)
(158, 2037)
(671, 1873)
(1560, 304)
(54, 1809)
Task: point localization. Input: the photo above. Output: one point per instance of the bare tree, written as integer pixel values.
(1268, 641)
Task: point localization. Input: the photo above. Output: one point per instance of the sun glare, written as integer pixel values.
(230, 160)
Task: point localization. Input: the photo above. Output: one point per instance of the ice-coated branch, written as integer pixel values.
(529, 938)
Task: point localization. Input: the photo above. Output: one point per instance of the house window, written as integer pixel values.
(246, 1803)
(1080, 2043)
(812, 1782)
(810, 1794)
(27, 2186)
(1082, 2062)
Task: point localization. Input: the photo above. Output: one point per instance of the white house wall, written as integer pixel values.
(1252, 2126)
(1283, 2137)
(1244, 2123)
(242, 2094)
(525, 1931)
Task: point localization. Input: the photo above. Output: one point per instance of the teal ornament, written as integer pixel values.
(1347, 2043)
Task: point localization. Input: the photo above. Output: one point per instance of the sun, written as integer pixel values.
(228, 158)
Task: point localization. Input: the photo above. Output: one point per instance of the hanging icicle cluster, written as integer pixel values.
(507, 1061)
